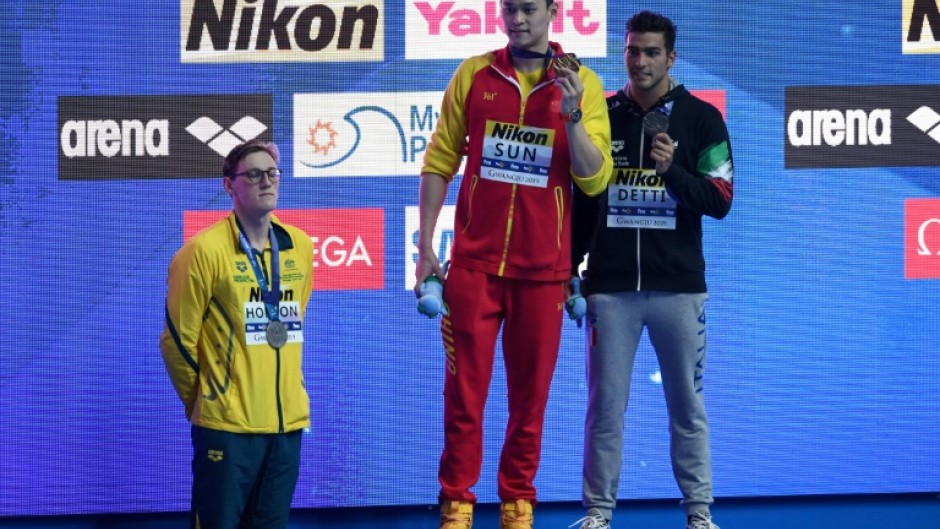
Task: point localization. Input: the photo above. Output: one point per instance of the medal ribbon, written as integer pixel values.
(523, 53)
(271, 297)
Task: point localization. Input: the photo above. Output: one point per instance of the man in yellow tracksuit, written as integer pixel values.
(232, 344)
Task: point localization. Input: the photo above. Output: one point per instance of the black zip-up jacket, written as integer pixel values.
(645, 232)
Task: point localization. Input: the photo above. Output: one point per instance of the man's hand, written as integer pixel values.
(428, 265)
(575, 304)
(662, 152)
(571, 88)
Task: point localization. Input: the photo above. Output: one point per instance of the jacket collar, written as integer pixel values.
(622, 98)
(284, 242)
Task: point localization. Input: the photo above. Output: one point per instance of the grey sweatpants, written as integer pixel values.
(676, 327)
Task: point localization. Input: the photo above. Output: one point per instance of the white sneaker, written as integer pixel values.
(700, 520)
(593, 520)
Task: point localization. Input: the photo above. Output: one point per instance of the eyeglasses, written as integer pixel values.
(254, 175)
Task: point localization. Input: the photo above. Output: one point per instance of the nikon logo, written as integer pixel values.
(515, 134)
(860, 126)
(281, 30)
(920, 26)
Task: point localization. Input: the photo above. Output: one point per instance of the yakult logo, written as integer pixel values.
(922, 238)
(348, 244)
(455, 29)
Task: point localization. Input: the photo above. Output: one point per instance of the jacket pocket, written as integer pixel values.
(560, 211)
(473, 187)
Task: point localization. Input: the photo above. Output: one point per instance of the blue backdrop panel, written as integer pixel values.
(823, 371)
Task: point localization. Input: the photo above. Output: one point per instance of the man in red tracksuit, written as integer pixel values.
(529, 128)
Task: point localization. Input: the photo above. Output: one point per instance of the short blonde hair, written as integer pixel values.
(241, 151)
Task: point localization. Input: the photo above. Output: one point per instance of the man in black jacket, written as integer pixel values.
(643, 237)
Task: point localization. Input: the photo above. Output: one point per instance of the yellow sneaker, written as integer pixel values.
(516, 515)
(456, 514)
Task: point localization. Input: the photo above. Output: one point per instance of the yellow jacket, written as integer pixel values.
(213, 344)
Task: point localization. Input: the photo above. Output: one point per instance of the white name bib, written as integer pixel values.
(256, 321)
(517, 155)
(637, 198)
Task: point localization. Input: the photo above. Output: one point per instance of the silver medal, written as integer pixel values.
(655, 122)
(276, 334)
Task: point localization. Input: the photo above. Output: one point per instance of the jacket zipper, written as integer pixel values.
(277, 385)
(639, 268)
(515, 187)
(277, 389)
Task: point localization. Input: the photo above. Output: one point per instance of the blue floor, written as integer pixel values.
(920, 511)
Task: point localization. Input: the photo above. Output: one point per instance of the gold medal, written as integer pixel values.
(568, 60)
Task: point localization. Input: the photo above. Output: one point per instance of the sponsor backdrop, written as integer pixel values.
(823, 368)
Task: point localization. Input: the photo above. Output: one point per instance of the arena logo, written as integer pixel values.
(927, 120)
(922, 238)
(442, 240)
(107, 137)
(128, 137)
(454, 29)
(281, 31)
(861, 126)
(920, 27)
(221, 139)
(835, 127)
(348, 244)
(363, 134)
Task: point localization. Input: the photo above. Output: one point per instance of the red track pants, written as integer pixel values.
(531, 315)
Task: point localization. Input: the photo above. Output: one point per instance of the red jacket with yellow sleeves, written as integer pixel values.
(514, 206)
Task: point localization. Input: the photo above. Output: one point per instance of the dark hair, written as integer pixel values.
(650, 22)
(241, 151)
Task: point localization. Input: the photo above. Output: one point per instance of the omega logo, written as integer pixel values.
(923, 250)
